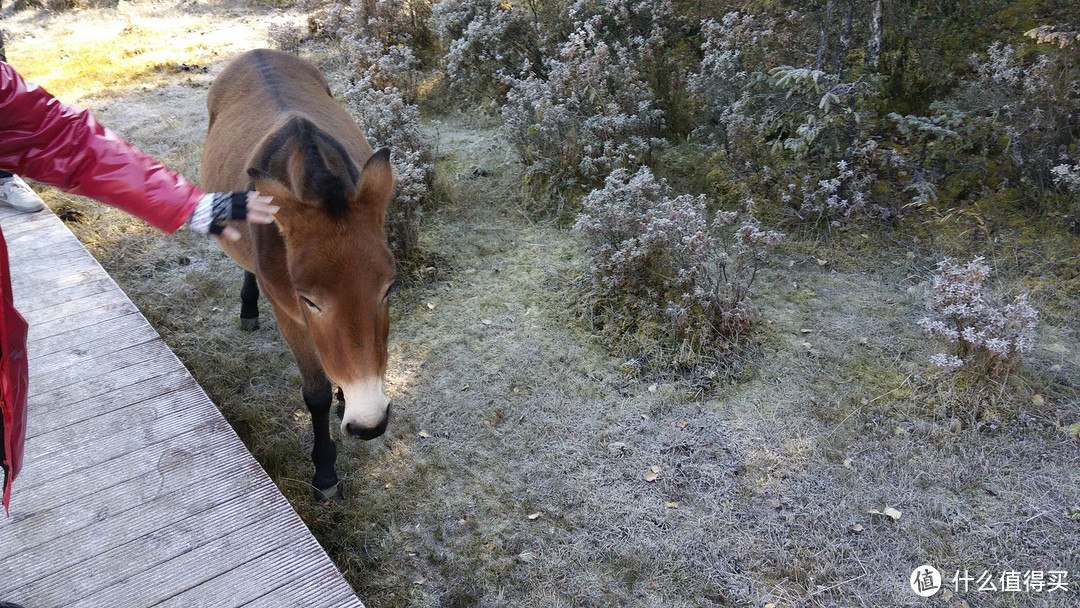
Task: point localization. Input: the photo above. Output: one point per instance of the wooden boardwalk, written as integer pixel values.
(134, 491)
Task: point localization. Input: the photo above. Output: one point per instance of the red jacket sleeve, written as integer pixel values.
(65, 146)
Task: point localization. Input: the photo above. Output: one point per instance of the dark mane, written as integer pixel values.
(326, 185)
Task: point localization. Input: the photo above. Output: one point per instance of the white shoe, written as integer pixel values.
(16, 194)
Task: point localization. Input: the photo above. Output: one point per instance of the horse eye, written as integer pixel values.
(390, 290)
(310, 303)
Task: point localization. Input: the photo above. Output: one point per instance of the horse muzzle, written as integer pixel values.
(364, 432)
(367, 410)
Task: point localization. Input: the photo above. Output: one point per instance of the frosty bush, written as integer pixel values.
(285, 36)
(591, 115)
(492, 39)
(684, 277)
(391, 22)
(729, 46)
(983, 333)
(382, 66)
(388, 120)
(1023, 104)
(793, 134)
(834, 200)
(1067, 176)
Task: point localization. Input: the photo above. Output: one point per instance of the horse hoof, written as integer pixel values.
(331, 494)
(249, 324)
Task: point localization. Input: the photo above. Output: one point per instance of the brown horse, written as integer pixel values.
(324, 265)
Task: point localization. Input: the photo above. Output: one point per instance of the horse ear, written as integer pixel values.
(283, 196)
(376, 184)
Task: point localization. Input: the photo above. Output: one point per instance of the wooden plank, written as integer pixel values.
(139, 389)
(157, 475)
(52, 489)
(59, 314)
(110, 306)
(91, 552)
(66, 451)
(245, 582)
(89, 338)
(309, 591)
(14, 223)
(210, 556)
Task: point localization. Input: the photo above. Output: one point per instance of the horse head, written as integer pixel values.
(341, 270)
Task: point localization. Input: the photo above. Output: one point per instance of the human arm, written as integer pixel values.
(65, 146)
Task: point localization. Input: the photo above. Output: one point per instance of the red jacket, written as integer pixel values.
(65, 146)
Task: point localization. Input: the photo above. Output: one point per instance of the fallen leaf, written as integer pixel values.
(889, 512)
(821, 262)
(681, 424)
(653, 388)
(671, 505)
(864, 341)
(536, 515)
(431, 306)
(1037, 400)
(807, 345)
(424, 434)
(486, 321)
(856, 529)
(849, 463)
(464, 387)
(806, 330)
(652, 473)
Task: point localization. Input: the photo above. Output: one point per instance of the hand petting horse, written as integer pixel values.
(325, 265)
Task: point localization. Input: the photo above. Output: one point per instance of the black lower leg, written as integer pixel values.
(323, 452)
(249, 303)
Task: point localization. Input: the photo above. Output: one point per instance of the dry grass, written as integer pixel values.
(514, 469)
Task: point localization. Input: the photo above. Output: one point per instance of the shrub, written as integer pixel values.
(389, 121)
(836, 199)
(285, 36)
(391, 22)
(797, 135)
(983, 333)
(591, 115)
(685, 279)
(489, 40)
(1026, 107)
(382, 66)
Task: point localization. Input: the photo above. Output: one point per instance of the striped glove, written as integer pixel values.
(215, 208)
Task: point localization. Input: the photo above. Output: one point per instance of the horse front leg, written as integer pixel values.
(323, 450)
(318, 398)
(249, 303)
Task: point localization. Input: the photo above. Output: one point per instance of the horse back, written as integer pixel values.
(254, 99)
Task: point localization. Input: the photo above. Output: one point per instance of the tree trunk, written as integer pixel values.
(845, 39)
(823, 41)
(873, 45)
